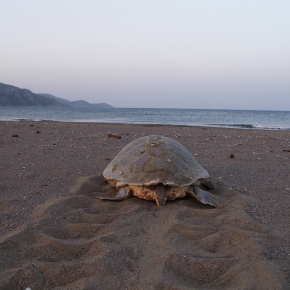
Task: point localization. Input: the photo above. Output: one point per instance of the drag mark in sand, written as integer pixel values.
(79, 242)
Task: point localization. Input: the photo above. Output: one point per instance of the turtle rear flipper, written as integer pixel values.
(209, 184)
(124, 193)
(203, 196)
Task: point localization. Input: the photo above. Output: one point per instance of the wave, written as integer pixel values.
(26, 120)
(247, 126)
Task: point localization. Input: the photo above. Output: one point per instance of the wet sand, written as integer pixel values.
(55, 233)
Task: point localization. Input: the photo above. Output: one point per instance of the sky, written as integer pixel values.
(204, 54)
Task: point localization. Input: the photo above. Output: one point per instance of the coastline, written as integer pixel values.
(48, 157)
(249, 119)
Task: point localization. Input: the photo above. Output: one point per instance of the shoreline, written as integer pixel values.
(48, 157)
(243, 126)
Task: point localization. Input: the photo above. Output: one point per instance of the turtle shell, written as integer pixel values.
(152, 160)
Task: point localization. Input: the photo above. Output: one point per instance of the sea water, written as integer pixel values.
(249, 119)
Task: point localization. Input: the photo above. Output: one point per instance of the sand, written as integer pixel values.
(55, 233)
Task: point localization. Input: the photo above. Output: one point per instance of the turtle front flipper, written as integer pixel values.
(124, 193)
(203, 196)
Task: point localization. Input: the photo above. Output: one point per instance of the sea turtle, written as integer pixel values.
(157, 168)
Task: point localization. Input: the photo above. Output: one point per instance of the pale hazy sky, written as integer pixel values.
(161, 54)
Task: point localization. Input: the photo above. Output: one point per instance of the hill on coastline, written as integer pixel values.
(14, 96)
(77, 104)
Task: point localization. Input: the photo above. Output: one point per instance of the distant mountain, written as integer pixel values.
(102, 105)
(77, 104)
(60, 100)
(14, 96)
(80, 104)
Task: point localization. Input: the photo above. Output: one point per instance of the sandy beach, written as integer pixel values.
(55, 233)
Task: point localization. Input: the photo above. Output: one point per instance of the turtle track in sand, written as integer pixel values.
(79, 242)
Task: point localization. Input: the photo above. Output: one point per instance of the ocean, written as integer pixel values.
(247, 119)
